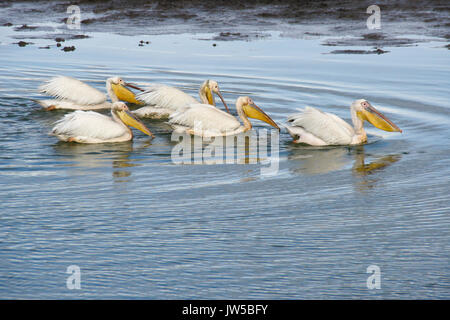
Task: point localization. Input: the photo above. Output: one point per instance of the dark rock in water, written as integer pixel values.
(23, 43)
(379, 51)
(313, 33)
(233, 36)
(376, 51)
(147, 42)
(80, 36)
(393, 41)
(25, 27)
(87, 21)
(72, 48)
(60, 39)
(214, 44)
(45, 47)
(373, 36)
(8, 24)
(58, 44)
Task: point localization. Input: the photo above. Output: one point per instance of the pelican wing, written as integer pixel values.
(88, 124)
(67, 88)
(69, 105)
(322, 125)
(205, 117)
(162, 96)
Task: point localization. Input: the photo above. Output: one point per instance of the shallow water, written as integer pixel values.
(140, 226)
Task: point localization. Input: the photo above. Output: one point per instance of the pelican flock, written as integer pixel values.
(93, 127)
(318, 128)
(162, 101)
(186, 115)
(73, 94)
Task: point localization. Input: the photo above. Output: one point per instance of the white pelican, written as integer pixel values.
(164, 100)
(208, 121)
(73, 94)
(318, 128)
(92, 127)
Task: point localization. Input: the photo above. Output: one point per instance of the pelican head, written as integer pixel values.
(208, 88)
(365, 111)
(250, 109)
(118, 87)
(120, 110)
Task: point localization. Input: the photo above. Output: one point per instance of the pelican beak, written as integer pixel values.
(129, 119)
(377, 119)
(209, 96)
(223, 101)
(124, 94)
(253, 111)
(132, 85)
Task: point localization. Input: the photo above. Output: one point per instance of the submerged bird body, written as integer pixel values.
(318, 128)
(210, 120)
(73, 94)
(162, 101)
(51, 104)
(206, 120)
(92, 127)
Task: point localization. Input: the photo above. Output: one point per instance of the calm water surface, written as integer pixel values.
(140, 226)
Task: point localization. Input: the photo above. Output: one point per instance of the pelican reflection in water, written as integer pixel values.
(365, 172)
(313, 161)
(80, 157)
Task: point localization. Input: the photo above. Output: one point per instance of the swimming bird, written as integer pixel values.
(73, 94)
(93, 127)
(318, 128)
(206, 120)
(162, 101)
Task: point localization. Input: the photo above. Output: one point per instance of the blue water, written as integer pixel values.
(140, 226)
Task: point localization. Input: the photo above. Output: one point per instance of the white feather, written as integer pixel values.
(302, 136)
(206, 118)
(153, 112)
(73, 90)
(166, 98)
(88, 126)
(318, 126)
(69, 105)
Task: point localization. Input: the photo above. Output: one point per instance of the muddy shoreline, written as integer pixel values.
(402, 23)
